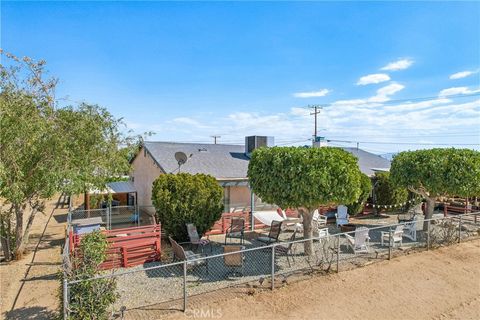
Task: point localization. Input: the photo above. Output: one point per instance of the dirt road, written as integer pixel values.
(439, 284)
(31, 284)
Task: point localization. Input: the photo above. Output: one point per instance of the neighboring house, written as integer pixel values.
(227, 163)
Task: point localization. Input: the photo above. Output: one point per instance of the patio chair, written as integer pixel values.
(359, 243)
(179, 254)
(195, 239)
(234, 261)
(289, 223)
(318, 222)
(236, 230)
(342, 215)
(410, 230)
(273, 234)
(287, 250)
(397, 236)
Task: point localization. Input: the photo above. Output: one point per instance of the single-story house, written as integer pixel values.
(227, 163)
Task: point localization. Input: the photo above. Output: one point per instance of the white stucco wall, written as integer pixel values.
(145, 171)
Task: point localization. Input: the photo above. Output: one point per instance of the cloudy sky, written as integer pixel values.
(393, 76)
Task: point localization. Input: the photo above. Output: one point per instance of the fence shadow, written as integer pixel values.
(31, 313)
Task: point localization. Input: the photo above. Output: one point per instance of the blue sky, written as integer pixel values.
(190, 70)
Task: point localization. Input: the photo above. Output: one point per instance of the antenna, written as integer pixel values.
(181, 158)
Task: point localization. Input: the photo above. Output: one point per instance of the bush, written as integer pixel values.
(366, 188)
(90, 299)
(387, 193)
(184, 198)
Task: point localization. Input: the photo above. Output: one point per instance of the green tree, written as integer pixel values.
(438, 172)
(387, 193)
(45, 149)
(304, 178)
(184, 198)
(366, 189)
(90, 299)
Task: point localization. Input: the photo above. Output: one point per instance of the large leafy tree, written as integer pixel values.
(45, 149)
(304, 178)
(366, 189)
(387, 193)
(185, 198)
(438, 172)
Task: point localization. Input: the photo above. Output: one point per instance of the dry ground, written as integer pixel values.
(439, 284)
(31, 285)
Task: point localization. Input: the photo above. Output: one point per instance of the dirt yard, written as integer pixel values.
(439, 284)
(30, 286)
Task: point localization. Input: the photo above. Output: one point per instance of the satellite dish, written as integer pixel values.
(181, 157)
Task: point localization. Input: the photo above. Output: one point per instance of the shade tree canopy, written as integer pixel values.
(438, 172)
(304, 178)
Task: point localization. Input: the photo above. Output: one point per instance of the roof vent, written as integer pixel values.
(202, 150)
(255, 142)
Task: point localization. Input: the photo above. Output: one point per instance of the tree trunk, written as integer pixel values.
(5, 235)
(428, 211)
(23, 240)
(18, 230)
(307, 216)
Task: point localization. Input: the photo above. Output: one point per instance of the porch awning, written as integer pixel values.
(115, 187)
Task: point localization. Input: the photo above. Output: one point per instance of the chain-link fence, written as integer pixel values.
(254, 265)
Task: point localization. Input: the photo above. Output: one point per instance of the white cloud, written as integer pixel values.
(383, 95)
(389, 90)
(373, 78)
(398, 65)
(312, 94)
(462, 74)
(456, 90)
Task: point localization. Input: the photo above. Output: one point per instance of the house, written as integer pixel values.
(227, 163)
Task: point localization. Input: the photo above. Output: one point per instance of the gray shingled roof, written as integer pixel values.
(222, 161)
(368, 161)
(225, 161)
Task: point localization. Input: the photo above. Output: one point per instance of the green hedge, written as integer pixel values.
(185, 198)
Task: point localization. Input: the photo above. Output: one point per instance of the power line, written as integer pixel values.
(408, 143)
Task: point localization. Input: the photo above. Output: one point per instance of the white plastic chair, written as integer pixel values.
(410, 230)
(397, 236)
(342, 215)
(360, 242)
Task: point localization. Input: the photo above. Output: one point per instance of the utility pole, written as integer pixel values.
(316, 112)
(215, 138)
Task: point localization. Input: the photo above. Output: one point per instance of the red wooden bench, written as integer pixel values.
(128, 247)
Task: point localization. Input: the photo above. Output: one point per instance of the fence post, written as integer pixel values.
(184, 285)
(65, 298)
(273, 266)
(390, 244)
(460, 229)
(338, 251)
(428, 235)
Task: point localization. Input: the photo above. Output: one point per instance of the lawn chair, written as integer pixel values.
(273, 234)
(234, 261)
(359, 243)
(410, 230)
(289, 223)
(342, 215)
(236, 230)
(397, 236)
(179, 254)
(287, 250)
(195, 239)
(318, 222)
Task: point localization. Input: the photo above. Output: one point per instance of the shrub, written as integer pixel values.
(366, 188)
(387, 193)
(90, 299)
(184, 198)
